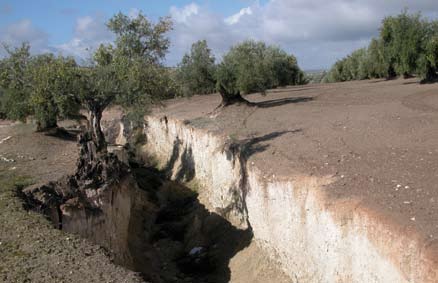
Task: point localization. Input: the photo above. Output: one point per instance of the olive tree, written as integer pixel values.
(139, 37)
(41, 86)
(15, 82)
(52, 90)
(402, 38)
(128, 73)
(255, 67)
(196, 71)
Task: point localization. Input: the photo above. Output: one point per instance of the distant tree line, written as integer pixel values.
(407, 45)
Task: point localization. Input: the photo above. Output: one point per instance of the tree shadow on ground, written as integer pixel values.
(283, 90)
(411, 83)
(283, 101)
(64, 134)
(379, 81)
(251, 146)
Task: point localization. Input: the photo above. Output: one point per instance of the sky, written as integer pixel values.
(317, 32)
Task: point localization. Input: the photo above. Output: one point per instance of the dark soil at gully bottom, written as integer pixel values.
(171, 236)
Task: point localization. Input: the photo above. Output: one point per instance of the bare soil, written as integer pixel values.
(377, 138)
(31, 250)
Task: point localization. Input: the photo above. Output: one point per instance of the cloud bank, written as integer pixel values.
(89, 33)
(318, 32)
(23, 31)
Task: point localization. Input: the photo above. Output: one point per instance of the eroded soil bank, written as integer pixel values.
(337, 181)
(149, 225)
(152, 226)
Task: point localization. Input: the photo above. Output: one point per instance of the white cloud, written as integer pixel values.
(24, 31)
(236, 17)
(183, 15)
(318, 31)
(133, 13)
(89, 33)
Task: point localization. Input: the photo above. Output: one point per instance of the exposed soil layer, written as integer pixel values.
(376, 138)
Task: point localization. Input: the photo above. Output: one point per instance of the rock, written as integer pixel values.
(6, 159)
(195, 250)
(5, 139)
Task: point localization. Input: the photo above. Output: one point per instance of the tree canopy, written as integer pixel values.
(130, 72)
(196, 71)
(255, 67)
(405, 47)
(40, 85)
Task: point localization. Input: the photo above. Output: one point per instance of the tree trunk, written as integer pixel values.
(45, 125)
(431, 75)
(391, 72)
(407, 76)
(95, 165)
(229, 99)
(95, 129)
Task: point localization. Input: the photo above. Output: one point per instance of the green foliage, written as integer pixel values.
(138, 37)
(52, 93)
(37, 85)
(376, 66)
(97, 87)
(402, 41)
(135, 58)
(226, 79)
(128, 73)
(196, 72)
(15, 82)
(256, 67)
(246, 60)
(406, 46)
(428, 61)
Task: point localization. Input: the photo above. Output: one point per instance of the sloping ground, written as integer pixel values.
(31, 250)
(342, 174)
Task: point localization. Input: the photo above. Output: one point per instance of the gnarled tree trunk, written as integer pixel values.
(231, 98)
(95, 165)
(391, 72)
(43, 126)
(430, 75)
(95, 130)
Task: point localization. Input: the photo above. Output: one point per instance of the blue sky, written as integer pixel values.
(58, 17)
(318, 32)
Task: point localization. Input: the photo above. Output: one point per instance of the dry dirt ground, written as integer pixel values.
(377, 138)
(31, 250)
